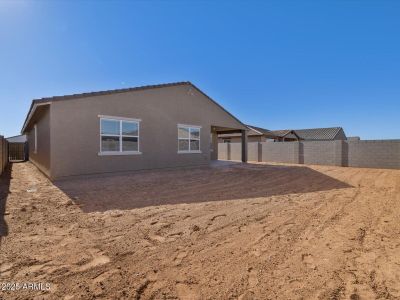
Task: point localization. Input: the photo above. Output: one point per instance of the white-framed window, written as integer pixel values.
(35, 141)
(188, 138)
(119, 136)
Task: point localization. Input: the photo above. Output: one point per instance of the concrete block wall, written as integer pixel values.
(223, 151)
(321, 153)
(236, 151)
(252, 151)
(280, 152)
(373, 154)
(369, 154)
(230, 151)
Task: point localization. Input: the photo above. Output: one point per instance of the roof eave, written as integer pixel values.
(34, 105)
(48, 100)
(220, 106)
(337, 132)
(252, 128)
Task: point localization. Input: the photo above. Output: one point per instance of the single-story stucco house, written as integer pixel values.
(149, 127)
(258, 134)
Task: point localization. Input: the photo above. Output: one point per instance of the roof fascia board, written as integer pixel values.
(31, 113)
(291, 132)
(48, 100)
(220, 106)
(337, 132)
(251, 128)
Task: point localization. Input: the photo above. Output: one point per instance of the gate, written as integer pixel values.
(17, 152)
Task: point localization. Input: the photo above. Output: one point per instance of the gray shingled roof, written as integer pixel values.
(262, 131)
(285, 133)
(274, 133)
(318, 133)
(115, 91)
(304, 134)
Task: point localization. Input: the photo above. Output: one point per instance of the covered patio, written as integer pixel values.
(217, 131)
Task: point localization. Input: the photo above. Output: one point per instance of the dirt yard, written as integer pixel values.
(234, 232)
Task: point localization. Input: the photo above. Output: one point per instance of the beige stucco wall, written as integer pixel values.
(42, 157)
(75, 127)
(214, 148)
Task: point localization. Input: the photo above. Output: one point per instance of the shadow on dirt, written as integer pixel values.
(132, 190)
(5, 179)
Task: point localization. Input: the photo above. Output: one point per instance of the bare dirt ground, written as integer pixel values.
(234, 232)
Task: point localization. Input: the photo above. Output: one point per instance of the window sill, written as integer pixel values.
(119, 153)
(188, 152)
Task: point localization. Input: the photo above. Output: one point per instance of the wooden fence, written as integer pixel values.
(3, 153)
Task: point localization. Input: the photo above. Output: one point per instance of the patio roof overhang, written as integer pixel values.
(243, 133)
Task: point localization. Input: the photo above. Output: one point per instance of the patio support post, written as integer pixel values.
(214, 145)
(244, 146)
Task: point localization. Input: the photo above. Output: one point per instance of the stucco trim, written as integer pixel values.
(189, 152)
(119, 153)
(120, 118)
(35, 141)
(187, 125)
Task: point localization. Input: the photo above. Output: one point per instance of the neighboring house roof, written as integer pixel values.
(281, 133)
(285, 134)
(275, 133)
(262, 131)
(17, 139)
(252, 131)
(318, 133)
(258, 131)
(48, 100)
(310, 134)
(301, 134)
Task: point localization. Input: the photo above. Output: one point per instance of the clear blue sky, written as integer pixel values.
(274, 64)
